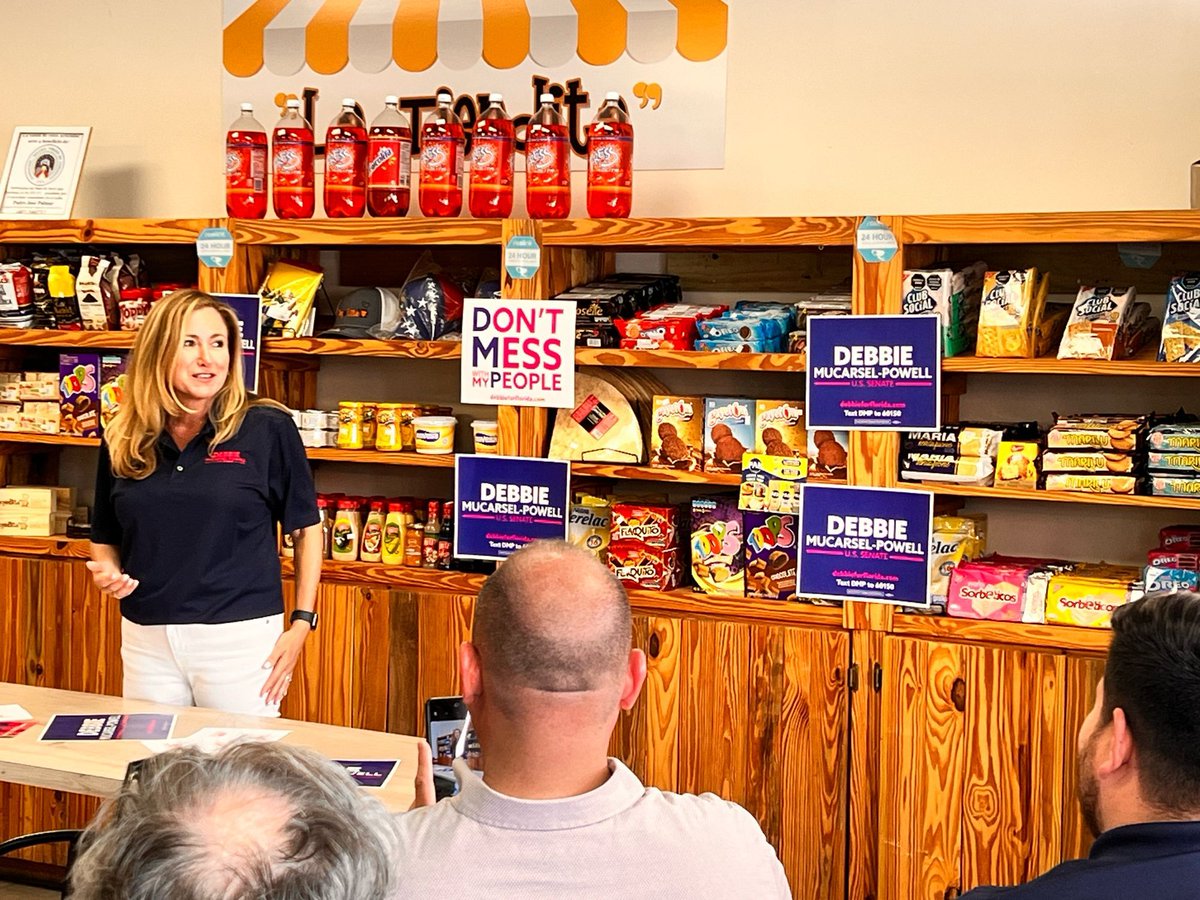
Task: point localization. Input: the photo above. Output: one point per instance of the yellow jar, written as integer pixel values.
(487, 438)
(368, 424)
(350, 426)
(387, 427)
(435, 434)
(405, 413)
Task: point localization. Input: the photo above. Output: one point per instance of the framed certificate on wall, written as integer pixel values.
(41, 174)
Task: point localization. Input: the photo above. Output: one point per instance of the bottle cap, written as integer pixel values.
(546, 98)
(348, 101)
(444, 99)
(293, 104)
(391, 100)
(612, 95)
(495, 98)
(247, 107)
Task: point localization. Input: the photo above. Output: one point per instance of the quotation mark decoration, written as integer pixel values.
(648, 93)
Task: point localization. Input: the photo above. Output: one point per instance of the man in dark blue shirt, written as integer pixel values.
(1139, 765)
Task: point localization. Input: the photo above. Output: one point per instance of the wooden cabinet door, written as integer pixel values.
(972, 767)
(1083, 673)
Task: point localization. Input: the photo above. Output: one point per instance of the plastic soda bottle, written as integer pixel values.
(610, 161)
(547, 163)
(389, 154)
(442, 142)
(292, 165)
(246, 167)
(346, 164)
(492, 146)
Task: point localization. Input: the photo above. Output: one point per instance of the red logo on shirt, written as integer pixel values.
(226, 456)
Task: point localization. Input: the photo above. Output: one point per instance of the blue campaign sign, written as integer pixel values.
(503, 503)
(863, 543)
(249, 313)
(868, 373)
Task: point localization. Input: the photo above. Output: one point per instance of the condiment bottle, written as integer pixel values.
(394, 528)
(445, 544)
(414, 539)
(326, 523)
(372, 536)
(430, 540)
(346, 529)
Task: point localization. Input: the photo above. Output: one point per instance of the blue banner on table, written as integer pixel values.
(503, 503)
(371, 773)
(110, 727)
(863, 543)
(249, 313)
(869, 373)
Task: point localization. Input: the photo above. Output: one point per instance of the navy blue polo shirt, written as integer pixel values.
(1153, 859)
(199, 533)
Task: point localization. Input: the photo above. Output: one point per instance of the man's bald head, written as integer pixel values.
(553, 619)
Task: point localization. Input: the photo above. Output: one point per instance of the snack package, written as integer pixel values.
(955, 539)
(1091, 483)
(637, 565)
(728, 432)
(589, 526)
(1077, 599)
(16, 296)
(958, 440)
(953, 296)
(677, 433)
(1017, 464)
(288, 295)
(1008, 313)
(1179, 537)
(1181, 323)
(97, 311)
(1115, 462)
(771, 555)
(717, 563)
(79, 394)
(946, 467)
(827, 455)
(1175, 486)
(771, 483)
(1096, 319)
(1167, 559)
(1175, 437)
(1097, 432)
(1169, 462)
(779, 428)
(654, 526)
(112, 386)
(1161, 579)
(987, 590)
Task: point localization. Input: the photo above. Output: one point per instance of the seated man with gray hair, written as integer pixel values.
(263, 821)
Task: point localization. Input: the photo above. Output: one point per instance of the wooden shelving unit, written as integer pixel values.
(345, 347)
(994, 493)
(649, 473)
(691, 359)
(52, 440)
(367, 231)
(1142, 366)
(379, 457)
(692, 234)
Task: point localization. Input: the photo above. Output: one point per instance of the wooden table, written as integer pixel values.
(98, 767)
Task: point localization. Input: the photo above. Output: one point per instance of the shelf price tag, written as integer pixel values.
(870, 544)
(518, 353)
(874, 373)
(502, 503)
(876, 243)
(214, 246)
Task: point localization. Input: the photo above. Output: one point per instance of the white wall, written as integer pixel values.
(867, 106)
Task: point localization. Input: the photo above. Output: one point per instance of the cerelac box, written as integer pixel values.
(79, 394)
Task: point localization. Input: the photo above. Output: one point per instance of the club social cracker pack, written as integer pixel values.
(952, 296)
(728, 432)
(1181, 323)
(717, 538)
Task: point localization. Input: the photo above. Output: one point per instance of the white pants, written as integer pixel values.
(219, 666)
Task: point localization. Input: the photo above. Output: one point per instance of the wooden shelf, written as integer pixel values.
(366, 231)
(649, 473)
(1143, 365)
(106, 231)
(59, 546)
(965, 490)
(1065, 227)
(1061, 637)
(695, 234)
(53, 440)
(347, 347)
(378, 457)
(691, 359)
(49, 337)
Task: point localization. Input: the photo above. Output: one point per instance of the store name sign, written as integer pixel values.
(518, 353)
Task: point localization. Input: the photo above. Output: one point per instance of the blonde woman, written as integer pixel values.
(194, 476)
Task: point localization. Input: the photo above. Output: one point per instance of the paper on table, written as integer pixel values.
(14, 712)
(210, 740)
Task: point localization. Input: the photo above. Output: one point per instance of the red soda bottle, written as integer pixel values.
(389, 151)
(346, 165)
(492, 162)
(442, 142)
(246, 167)
(292, 165)
(610, 161)
(547, 163)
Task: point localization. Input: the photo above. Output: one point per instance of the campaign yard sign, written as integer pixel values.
(518, 353)
(503, 503)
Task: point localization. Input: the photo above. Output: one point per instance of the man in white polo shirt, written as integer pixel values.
(546, 676)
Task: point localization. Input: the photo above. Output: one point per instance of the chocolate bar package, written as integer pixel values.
(771, 555)
(1181, 323)
(79, 394)
(717, 538)
(677, 433)
(728, 432)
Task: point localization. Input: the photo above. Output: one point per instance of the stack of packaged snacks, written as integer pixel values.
(1175, 564)
(643, 549)
(1181, 323)
(953, 296)
(962, 454)
(717, 546)
(1088, 594)
(1014, 320)
(677, 433)
(728, 432)
(670, 327)
(1106, 323)
(956, 540)
(751, 327)
(1101, 454)
(602, 304)
(999, 589)
(1174, 459)
(828, 303)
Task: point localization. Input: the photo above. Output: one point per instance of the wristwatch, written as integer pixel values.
(303, 615)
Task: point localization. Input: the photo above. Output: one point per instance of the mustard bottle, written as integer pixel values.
(394, 528)
(346, 532)
(372, 535)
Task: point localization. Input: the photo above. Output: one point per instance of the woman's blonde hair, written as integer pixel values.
(150, 399)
